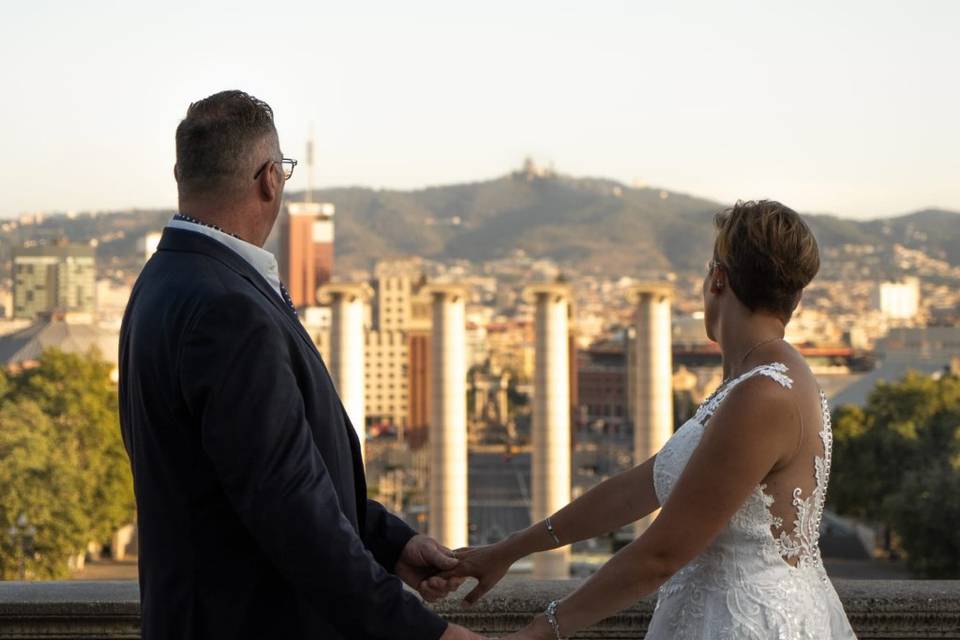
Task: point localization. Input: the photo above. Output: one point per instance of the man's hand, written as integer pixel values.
(420, 562)
(488, 564)
(456, 632)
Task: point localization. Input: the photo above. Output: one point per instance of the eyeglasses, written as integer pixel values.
(713, 264)
(286, 166)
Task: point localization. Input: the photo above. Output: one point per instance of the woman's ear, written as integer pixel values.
(718, 280)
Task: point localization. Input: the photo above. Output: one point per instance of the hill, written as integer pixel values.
(591, 224)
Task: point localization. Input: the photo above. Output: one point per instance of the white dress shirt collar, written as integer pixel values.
(261, 260)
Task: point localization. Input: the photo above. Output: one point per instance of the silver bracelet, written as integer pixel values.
(552, 532)
(551, 615)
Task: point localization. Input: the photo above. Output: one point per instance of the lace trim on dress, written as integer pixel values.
(802, 544)
(740, 587)
(775, 370)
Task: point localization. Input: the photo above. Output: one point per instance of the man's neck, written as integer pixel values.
(232, 224)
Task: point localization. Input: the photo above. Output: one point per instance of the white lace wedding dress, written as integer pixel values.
(749, 584)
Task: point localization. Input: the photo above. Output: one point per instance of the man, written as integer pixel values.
(252, 509)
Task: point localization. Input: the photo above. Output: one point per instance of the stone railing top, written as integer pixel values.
(877, 609)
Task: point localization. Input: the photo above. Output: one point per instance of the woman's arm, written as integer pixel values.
(615, 502)
(755, 428)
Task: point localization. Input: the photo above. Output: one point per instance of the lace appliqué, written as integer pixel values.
(803, 544)
(775, 370)
(740, 586)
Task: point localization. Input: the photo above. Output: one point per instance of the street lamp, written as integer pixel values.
(22, 534)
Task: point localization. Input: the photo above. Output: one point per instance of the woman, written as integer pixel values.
(740, 486)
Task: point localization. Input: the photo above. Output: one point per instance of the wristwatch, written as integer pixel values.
(551, 615)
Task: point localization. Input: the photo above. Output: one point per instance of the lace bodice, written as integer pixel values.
(752, 582)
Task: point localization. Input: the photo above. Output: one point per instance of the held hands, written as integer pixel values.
(488, 564)
(435, 571)
(422, 565)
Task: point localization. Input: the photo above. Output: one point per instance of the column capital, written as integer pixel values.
(657, 290)
(332, 291)
(443, 290)
(555, 290)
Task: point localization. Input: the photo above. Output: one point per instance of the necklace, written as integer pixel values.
(755, 347)
(730, 378)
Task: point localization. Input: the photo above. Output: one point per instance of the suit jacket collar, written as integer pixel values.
(191, 242)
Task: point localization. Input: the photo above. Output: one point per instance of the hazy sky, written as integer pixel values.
(842, 106)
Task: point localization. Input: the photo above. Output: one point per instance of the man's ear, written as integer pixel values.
(269, 184)
(176, 173)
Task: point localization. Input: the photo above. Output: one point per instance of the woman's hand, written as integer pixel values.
(488, 564)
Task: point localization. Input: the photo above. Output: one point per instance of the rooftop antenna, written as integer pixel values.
(309, 197)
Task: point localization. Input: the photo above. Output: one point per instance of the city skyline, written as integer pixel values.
(834, 109)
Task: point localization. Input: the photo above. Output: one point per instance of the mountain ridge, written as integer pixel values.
(594, 224)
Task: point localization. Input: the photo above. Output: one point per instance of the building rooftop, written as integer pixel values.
(55, 330)
(56, 250)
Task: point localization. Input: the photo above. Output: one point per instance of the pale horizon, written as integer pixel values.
(847, 109)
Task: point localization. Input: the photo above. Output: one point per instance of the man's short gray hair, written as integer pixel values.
(217, 139)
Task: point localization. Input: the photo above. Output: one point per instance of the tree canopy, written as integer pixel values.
(64, 475)
(897, 463)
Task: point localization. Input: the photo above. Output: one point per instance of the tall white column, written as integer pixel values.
(551, 418)
(448, 417)
(653, 373)
(347, 305)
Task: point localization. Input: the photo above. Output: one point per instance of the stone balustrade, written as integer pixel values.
(877, 609)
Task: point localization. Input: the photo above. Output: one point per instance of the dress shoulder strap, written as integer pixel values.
(776, 371)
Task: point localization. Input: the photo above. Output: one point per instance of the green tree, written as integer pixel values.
(76, 391)
(925, 513)
(77, 438)
(908, 433)
(42, 516)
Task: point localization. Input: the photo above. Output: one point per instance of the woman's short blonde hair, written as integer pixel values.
(768, 253)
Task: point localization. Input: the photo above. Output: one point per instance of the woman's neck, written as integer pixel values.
(744, 337)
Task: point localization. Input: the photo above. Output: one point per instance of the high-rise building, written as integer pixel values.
(394, 284)
(306, 249)
(323, 243)
(395, 383)
(54, 277)
(899, 300)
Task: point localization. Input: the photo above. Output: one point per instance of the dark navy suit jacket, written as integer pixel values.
(251, 499)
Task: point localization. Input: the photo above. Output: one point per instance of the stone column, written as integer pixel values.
(503, 404)
(652, 386)
(551, 418)
(448, 417)
(347, 305)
